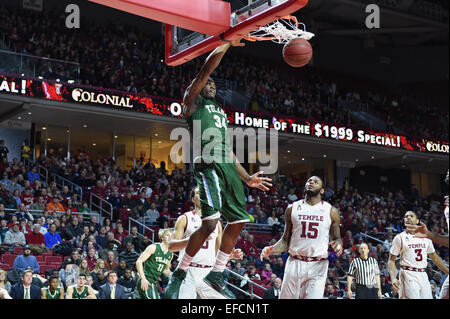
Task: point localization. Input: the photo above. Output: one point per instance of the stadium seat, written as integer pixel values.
(18, 250)
(9, 259)
(39, 258)
(53, 259)
(258, 290)
(44, 267)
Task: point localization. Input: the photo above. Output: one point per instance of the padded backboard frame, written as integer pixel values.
(242, 21)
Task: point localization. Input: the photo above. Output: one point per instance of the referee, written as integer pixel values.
(367, 273)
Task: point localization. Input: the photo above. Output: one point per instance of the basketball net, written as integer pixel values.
(280, 31)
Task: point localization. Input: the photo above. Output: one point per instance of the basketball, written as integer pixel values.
(297, 52)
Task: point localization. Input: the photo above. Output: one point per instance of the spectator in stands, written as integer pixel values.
(152, 214)
(250, 250)
(132, 237)
(127, 281)
(112, 290)
(101, 238)
(331, 292)
(4, 283)
(100, 279)
(3, 152)
(138, 212)
(36, 241)
(16, 197)
(25, 289)
(39, 204)
(73, 230)
(3, 213)
(274, 291)
(84, 266)
(3, 230)
(121, 267)
(14, 237)
(55, 206)
(25, 151)
(120, 233)
(27, 197)
(74, 258)
(23, 212)
(143, 243)
(110, 260)
(116, 244)
(33, 175)
(266, 273)
(91, 258)
(99, 266)
(129, 255)
(82, 239)
(26, 260)
(52, 238)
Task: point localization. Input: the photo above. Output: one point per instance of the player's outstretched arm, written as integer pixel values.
(167, 271)
(150, 250)
(197, 85)
(335, 233)
(178, 243)
(392, 268)
(421, 231)
(283, 244)
(438, 262)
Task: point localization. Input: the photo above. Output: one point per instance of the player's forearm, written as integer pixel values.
(140, 269)
(280, 247)
(440, 264)
(240, 169)
(392, 269)
(178, 244)
(438, 239)
(213, 60)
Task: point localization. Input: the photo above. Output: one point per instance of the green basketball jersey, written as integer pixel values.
(156, 263)
(80, 295)
(55, 295)
(214, 119)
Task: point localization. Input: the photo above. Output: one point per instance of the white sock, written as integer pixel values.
(185, 262)
(221, 261)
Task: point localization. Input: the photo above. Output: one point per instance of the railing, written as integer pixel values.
(74, 188)
(250, 283)
(373, 238)
(39, 212)
(100, 205)
(42, 171)
(35, 66)
(130, 219)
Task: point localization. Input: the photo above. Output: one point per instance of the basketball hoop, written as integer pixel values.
(280, 31)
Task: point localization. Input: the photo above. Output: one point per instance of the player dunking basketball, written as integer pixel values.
(310, 223)
(205, 258)
(413, 281)
(218, 175)
(422, 231)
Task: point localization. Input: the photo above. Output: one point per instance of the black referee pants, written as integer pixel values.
(363, 292)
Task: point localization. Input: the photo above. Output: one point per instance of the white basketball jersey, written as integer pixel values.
(413, 251)
(206, 256)
(310, 229)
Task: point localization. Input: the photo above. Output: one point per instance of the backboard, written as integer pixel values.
(182, 45)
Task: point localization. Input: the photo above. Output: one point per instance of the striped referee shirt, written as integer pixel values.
(365, 271)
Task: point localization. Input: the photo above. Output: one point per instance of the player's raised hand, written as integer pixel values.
(237, 254)
(266, 252)
(337, 248)
(419, 231)
(262, 183)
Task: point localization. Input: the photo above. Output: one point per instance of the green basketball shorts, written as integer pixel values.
(150, 293)
(221, 192)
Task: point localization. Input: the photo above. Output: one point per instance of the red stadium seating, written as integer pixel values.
(40, 259)
(258, 290)
(8, 258)
(53, 259)
(18, 250)
(44, 267)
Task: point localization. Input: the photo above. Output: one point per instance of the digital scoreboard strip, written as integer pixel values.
(98, 97)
